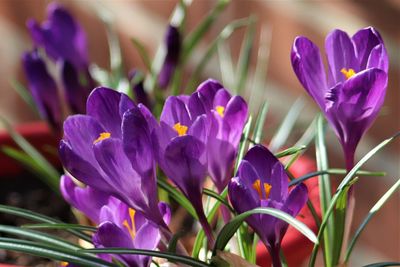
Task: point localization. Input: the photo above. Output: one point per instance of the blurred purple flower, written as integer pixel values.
(262, 182)
(227, 118)
(43, 88)
(138, 90)
(110, 149)
(354, 92)
(181, 151)
(61, 36)
(173, 47)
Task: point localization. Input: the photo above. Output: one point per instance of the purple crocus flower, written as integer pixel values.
(124, 227)
(173, 47)
(262, 182)
(227, 116)
(43, 88)
(110, 150)
(61, 36)
(181, 152)
(354, 92)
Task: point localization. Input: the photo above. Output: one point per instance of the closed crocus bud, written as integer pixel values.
(43, 89)
(354, 91)
(173, 46)
(139, 93)
(61, 36)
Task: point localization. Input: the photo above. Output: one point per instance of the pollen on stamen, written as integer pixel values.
(257, 187)
(180, 129)
(102, 136)
(131, 227)
(220, 110)
(348, 73)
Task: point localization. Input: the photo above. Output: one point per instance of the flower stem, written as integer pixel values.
(274, 252)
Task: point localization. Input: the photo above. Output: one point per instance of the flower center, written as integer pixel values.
(180, 129)
(131, 227)
(220, 110)
(102, 136)
(257, 187)
(348, 73)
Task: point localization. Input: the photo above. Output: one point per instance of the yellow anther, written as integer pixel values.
(257, 187)
(180, 129)
(102, 136)
(348, 73)
(64, 263)
(220, 110)
(131, 227)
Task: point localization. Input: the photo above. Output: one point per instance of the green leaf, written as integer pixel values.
(52, 175)
(38, 236)
(287, 125)
(24, 94)
(378, 205)
(29, 163)
(193, 39)
(50, 252)
(142, 52)
(165, 255)
(243, 64)
(383, 264)
(63, 226)
(40, 218)
(179, 197)
(260, 121)
(290, 151)
(230, 228)
(243, 142)
(346, 180)
(218, 197)
(324, 188)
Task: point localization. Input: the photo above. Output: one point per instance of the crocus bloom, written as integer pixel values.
(110, 150)
(262, 182)
(43, 88)
(181, 151)
(227, 115)
(126, 228)
(354, 92)
(173, 47)
(61, 36)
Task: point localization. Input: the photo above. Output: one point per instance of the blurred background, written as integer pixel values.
(278, 23)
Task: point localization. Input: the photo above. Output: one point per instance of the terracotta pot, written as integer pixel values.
(39, 135)
(297, 247)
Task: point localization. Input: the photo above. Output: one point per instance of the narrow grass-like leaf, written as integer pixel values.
(62, 226)
(38, 236)
(24, 94)
(287, 125)
(142, 52)
(243, 64)
(27, 214)
(51, 172)
(226, 67)
(50, 252)
(324, 187)
(179, 197)
(290, 151)
(243, 143)
(193, 39)
(230, 228)
(383, 264)
(260, 121)
(333, 171)
(165, 255)
(378, 205)
(218, 197)
(346, 180)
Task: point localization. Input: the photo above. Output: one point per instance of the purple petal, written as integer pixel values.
(43, 88)
(87, 200)
(221, 98)
(175, 111)
(378, 58)
(108, 107)
(307, 64)
(341, 54)
(173, 47)
(110, 235)
(247, 175)
(235, 116)
(199, 128)
(365, 41)
(296, 200)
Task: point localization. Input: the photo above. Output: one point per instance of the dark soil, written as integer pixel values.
(28, 192)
